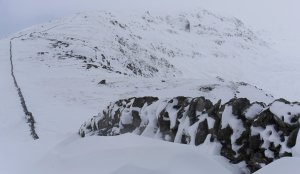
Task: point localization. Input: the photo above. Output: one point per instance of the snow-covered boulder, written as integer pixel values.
(250, 135)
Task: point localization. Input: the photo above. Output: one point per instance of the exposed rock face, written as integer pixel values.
(250, 133)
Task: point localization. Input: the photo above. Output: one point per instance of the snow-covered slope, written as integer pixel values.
(10, 109)
(147, 45)
(71, 68)
(63, 61)
(127, 153)
(155, 45)
(281, 166)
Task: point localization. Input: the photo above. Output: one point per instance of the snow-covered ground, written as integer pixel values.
(110, 155)
(11, 113)
(51, 63)
(181, 53)
(280, 166)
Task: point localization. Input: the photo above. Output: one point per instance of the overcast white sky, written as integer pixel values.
(279, 17)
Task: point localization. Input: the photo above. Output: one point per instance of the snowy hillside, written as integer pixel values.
(145, 44)
(59, 74)
(62, 62)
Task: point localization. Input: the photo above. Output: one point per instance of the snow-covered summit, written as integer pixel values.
(147, 44)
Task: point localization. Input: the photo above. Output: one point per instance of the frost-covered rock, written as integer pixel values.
(251, 135)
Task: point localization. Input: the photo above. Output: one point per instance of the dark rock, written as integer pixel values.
(127, 128)
(164, 122)
(265, 118)
(207, 88)
(295, 118)
(136, 119)
(140, 102)
(184, 139)
(228, 153)
(89, 66)
(283, 101)
(239, 105)
(191, 113)
(255, 142)
(224, 135)
(202, 132)
(214, 110)
(102, 82)
(291, 142)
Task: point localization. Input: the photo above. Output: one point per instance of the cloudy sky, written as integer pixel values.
(278, 17)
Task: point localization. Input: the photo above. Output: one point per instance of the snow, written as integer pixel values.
(228, 119)
(296, 148)
(12, 117)
(72, 92)
(253, 110)
(285, 112)
(62, 94)
(283, 165)
(110, 155)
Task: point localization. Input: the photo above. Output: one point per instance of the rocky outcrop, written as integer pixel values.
(250, 134)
